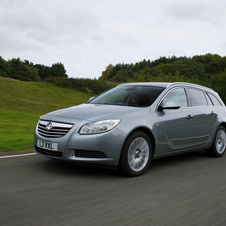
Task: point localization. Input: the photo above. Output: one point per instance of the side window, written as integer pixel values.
(177, 95)
(197, 97)
(214, 100)
(210, 103)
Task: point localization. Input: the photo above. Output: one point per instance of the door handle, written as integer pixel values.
(190, 116)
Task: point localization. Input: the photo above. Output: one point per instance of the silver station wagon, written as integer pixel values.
(133, 123)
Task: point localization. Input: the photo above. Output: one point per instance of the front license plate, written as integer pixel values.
(47, 145)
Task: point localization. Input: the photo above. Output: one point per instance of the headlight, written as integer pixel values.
(99, 127)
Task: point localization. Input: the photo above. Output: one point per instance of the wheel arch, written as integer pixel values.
(148, 133)
(216, 147)
(223, 124)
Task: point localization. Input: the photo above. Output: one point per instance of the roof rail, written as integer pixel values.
(191, 84)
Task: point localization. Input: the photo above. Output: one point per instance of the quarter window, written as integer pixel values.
(197, 97)
(208, 99)
(214, 100)
(177, 95)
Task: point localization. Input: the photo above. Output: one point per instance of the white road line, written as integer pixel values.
(12, 156)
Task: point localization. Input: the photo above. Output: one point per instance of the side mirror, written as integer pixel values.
(169, 105)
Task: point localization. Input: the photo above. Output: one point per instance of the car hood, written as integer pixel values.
(92, 112)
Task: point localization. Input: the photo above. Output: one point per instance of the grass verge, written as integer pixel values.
(21, 104)
(16, 130)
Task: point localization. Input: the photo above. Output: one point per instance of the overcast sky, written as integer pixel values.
(88, 35)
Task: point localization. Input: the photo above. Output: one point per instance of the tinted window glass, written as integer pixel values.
(214, 100)
(177, 95)
(197, 97)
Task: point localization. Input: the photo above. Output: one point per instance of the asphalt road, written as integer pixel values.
(183, 190)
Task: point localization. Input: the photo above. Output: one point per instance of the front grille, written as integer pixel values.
(50, 129)
(48, 152)
(89, 154)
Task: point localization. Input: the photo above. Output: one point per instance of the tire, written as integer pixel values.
(219, 143)
(136, 154)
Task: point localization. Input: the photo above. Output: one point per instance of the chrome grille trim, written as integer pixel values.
(58, 129)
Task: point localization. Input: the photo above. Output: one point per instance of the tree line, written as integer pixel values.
(27, 71)
(207, 70)
(24, 70)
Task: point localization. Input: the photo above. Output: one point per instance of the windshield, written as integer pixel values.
(139, 96)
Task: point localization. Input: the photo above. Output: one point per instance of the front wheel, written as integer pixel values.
(136, 154)
(219, 143)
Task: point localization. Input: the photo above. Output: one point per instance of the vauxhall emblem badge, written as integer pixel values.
(49, 126)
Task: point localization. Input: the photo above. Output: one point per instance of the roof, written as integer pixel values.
(167, 84)
(159, 84)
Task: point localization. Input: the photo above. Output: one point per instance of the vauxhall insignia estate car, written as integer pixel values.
(133, 123)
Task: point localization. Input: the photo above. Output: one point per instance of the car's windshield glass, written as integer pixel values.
(139, 96)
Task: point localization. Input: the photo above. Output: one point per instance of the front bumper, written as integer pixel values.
(101, 149)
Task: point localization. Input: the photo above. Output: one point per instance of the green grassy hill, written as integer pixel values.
(21, 104)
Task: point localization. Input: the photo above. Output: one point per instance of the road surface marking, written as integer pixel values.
(12, 156)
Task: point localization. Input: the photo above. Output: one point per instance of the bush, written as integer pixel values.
(91, 86)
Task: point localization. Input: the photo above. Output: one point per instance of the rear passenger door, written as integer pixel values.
(204, 116)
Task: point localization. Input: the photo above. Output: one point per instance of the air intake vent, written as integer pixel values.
(49, 153)
(50, 129)
(88, 154)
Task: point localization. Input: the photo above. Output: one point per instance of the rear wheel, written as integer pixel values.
(136, 154)
(219, 143)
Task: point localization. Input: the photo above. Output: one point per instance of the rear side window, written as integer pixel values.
(214, 100)
(197, 97)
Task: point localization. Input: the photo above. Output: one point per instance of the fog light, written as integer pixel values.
(72, 153)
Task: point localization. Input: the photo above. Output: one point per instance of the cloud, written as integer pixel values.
(48, 23)
(203, 11)
(86, 36)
